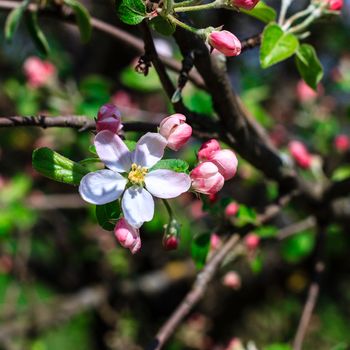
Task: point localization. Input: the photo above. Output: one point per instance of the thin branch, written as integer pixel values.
(297, 227)
(313, 291)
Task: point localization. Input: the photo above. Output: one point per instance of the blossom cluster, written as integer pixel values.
(130, 177)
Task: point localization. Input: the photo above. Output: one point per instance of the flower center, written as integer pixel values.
(137, 174)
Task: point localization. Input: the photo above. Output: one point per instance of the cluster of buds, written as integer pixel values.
(216, 165)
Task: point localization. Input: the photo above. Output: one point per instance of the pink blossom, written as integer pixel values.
(300, 154)
(215, 241)
(207, 149)
(128, 236)
(175, 129)
(206, 178)
(225, 42)
(305, 93)
(231, 210)
(38, 72)
(335, 5)
(232, 280)
(342, 143)
(109, 118)
(122, 99)
(252, 241)
(235, 344)
(245, 4)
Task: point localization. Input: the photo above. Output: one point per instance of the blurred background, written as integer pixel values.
(65, 283)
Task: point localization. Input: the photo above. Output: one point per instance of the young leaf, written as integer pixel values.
(276, 45)
(83, 19)
(200, 248)
(12, 21)
(177, 165)
(57, 167)
(107, 213)
(262, 12)
(245, 215)
(131, 11)
(36, 33)
(162, 26)
(309, 66)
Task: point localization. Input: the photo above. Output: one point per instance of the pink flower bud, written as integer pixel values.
(225, 42)
(170, 242)
(109, 118)
(38, 72)
(335, 5)
(342, 143)
(232, 280)
(206, 178)
(300, 154)
(231, 210)
(235, 344)
(175, 130)
(207, 149)
(128, 236)
(215, 241)
(245, 4)
(252, 241)
(226, 161)
(305, 93)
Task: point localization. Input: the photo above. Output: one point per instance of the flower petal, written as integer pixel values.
(164, 183)
(138, 206)
(102, 186)
(149, 149)
(112, 151)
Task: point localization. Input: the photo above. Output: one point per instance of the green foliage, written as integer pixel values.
(13, 19)
(57, 167)
(200, 249)
(341, 173)
(278, 347)
(308, 65)
(36, 33)
(131, 11)
(245, 215)
(199, 101)
(298, 246)
(177, 165)
(130, 144)
(108, 214)
(163, 26)
(276, 45)
(266, 231)
(262, 12)
(136, 81)
(83, 18)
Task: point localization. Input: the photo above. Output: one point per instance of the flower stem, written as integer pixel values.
(174, 20)
(297, 16)
(209, 6)
(306, 23)
(186, 3)
(168, 208)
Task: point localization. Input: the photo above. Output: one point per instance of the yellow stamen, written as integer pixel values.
(137, 174)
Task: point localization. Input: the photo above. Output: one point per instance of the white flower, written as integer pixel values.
(138, 183)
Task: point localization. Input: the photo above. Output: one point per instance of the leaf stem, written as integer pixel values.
(187, 3)
(210, 6)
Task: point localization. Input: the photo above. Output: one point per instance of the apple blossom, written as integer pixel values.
(335, 5)
(245, 4)
(224, 159)
(128, 236)
(109, 118)
(38, 72)
(232, 280)
(206, 178)
(252, 241)
(175, 129)
(138, 182)
(342, 143)
(300, 154)
(231, 210)
(225, 42)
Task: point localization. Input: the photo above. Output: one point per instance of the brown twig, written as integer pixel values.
(313, 291)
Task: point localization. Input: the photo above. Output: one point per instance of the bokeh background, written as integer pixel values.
(65, 283)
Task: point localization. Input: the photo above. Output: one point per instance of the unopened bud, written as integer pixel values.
(171, 235)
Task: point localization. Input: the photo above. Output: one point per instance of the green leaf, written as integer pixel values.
(131, 11)
(245, 215)
(108, 214)
(262, 12)
(266, 231)
(278, 347)
(276, 45)
(309, 66)
(177, 165)
(200, 249)
(341, 173)
(162, 26)
(83, 19)
(12, 21)
(36, 33)
(298, 246)
(57, 167)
